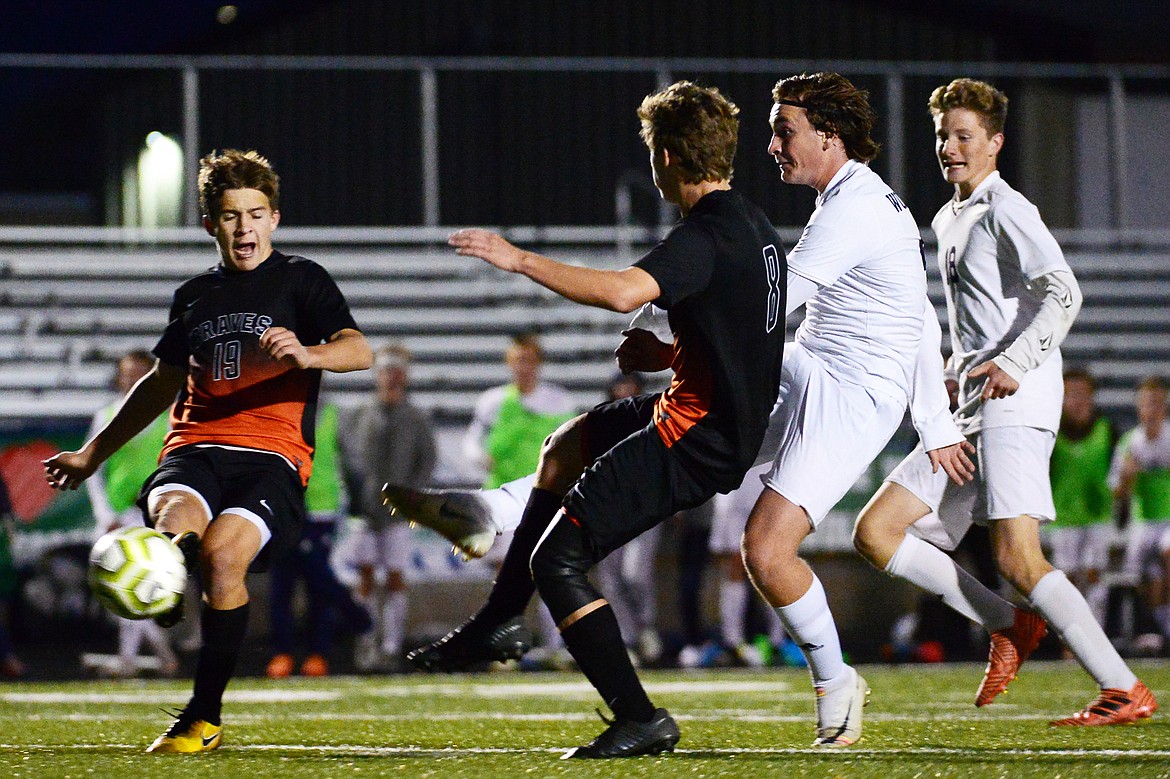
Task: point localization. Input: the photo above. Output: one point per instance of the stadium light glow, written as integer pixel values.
(160, 181)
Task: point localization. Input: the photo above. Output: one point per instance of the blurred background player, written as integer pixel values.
(1140, 478)
(1080, 535)
(243, 352)
(1011, 299)
(113, 490)
(329, 605)
(512, 420)
(388, 439)
(509, 425)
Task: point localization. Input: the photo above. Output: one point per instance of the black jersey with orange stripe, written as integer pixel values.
(235, 393)
(723, 280)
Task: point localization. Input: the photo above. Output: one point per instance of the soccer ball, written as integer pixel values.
(137, 572)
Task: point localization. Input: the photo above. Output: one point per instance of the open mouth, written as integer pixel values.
(244, 250)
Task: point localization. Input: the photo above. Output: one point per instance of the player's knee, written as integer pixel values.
(223, 573)
(561, 460)
(549, 565)
(875, 541)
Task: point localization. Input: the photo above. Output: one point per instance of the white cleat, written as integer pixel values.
(460, 516)
(839, 713)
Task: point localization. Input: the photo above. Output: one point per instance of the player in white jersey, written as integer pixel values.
(1011, 299)
(848, 376)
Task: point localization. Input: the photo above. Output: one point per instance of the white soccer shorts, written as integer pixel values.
(1011, 480)
(826, 433)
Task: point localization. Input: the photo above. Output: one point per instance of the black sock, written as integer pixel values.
(595, 641)
(223, 636)
(513, 588)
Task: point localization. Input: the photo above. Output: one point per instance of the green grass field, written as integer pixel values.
(920, 723)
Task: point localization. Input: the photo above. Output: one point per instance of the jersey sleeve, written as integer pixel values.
(172, 347)
(1022, 236)
(324, 307)
(681, 263)
(930, 410)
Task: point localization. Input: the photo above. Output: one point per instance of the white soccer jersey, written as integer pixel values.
(862, 249)
(991, 248)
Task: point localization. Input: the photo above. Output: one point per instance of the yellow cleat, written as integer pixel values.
(198, 736)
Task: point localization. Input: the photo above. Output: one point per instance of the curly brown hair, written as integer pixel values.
(977, 96)
(235, 169)
(697, 125)
(835, 107)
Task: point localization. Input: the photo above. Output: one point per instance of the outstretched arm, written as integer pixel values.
(615, 290)
(153, 393)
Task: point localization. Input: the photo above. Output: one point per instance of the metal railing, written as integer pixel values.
(191, 69)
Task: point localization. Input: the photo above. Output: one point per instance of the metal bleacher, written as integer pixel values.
(67, 312)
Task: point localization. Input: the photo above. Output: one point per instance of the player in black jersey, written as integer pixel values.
(243, 351)
(720, 274)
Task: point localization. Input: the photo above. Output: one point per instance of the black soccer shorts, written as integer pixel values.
(264, 485)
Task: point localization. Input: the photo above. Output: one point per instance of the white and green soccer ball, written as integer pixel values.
(137, 572)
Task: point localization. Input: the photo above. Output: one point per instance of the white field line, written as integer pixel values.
(844, 754)
(742, 715)
(286, 695)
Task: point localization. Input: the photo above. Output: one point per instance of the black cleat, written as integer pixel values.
(188, 544)
(470, 644)
(171, 617)
(626, 738)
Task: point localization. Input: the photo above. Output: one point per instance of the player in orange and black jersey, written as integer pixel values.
(243, 351)
(721, 275)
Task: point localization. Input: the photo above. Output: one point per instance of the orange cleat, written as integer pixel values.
(315, 665)
(279, 667)
(1009, 649)
(1114, 707)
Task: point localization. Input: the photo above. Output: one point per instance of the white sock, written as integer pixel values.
(507, 502)
(928, 567)
(394, 621)
(776, 632)
(810, 623)
(733, 598)
(1067, 613)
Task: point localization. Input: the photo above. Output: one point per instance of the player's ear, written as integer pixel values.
(996, 143)
(275, 219)
(208, 226)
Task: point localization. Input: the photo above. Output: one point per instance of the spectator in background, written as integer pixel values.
(1079, 537)
(511, 421)
(1140, 478)
(328, 599)
(10, 665)
(388, 439)
(112, 491)
(509, 426)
